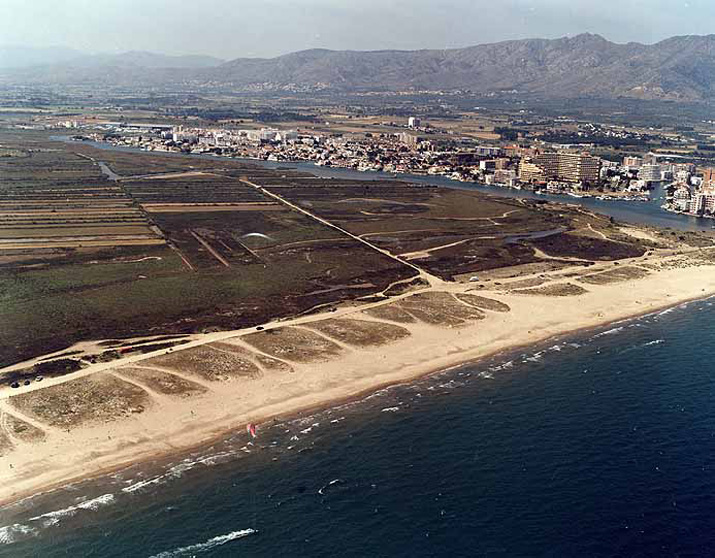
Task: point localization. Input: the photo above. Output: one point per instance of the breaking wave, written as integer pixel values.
(208, 545)
(54, 517)
(11, 533)
(609, 332)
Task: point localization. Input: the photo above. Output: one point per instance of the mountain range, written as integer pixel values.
(680, 68)
(13, 57)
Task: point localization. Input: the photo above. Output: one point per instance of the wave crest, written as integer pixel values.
(209, 544)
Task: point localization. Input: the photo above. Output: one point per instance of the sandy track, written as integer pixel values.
(432, 279)
(227, 406)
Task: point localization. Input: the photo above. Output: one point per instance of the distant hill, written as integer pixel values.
(680, 68)
(22, 57)
(677, 68)
(142, 59)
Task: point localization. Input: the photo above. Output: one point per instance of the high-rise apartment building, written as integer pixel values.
(569, 167)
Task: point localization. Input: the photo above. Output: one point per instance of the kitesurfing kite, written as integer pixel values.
(251, 429)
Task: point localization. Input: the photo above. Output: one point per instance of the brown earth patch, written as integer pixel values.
(99, 398)
(232, 348)
(268, 363)
(207, 363)
(616, 275)
(5, 444)
(273, 364)
(576, 246)
(526, 283)
(22, 430)
(163, 382)
(483, 302)
(294, 344)
(440, 309)
(390, 312)
(559, 289)
(360, 333)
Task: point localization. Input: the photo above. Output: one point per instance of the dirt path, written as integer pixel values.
(198, 339)
(210, 248)
(432, 279)
(590, 226)
(387, 233)
(427, 252)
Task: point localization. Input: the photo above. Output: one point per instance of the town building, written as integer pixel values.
(681, 199)
(487, 151)
(703, 202)
(709, 177)
(568, 167)
(632, 162)
(650, 173)
(408, 139)
(529, 171)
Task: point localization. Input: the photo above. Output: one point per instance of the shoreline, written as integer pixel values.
(146, 438)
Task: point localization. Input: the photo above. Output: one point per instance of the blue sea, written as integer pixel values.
(601, 444)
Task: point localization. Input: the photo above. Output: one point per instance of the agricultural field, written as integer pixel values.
(178, 245)
(84, 257)
(51, 198)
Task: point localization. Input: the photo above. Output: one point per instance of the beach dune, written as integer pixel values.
(112, 414)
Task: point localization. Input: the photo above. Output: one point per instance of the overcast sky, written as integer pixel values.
(233, 28)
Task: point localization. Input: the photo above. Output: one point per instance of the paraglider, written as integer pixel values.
(251, 429)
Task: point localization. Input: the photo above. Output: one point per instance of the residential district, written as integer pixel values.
(541, 167)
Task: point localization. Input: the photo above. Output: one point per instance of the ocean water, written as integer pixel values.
(601, 444)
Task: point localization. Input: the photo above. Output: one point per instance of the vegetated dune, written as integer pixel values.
(483, 302)
(360, 333)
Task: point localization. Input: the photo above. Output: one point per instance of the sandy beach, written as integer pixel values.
(150, 405)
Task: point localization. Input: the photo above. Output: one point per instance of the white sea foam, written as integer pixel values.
(143, 484)
(451, 384)
(331, 483)
(54, 517)
(504, 366)
(390, 409)
(609, 332)
(536, 357)
(666, 311)
(655, 342)
(11, 533)
(208, 545)
(177, 471)
(217, 457)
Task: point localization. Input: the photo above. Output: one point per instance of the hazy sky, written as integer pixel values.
(233, 28)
